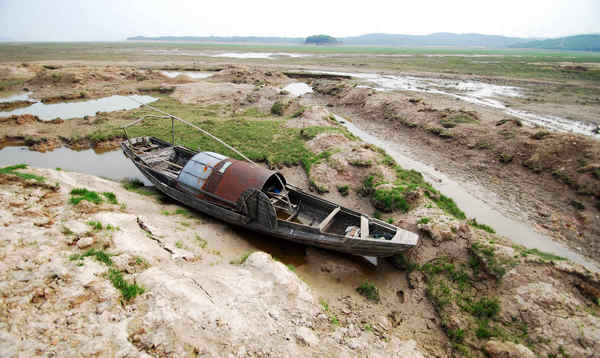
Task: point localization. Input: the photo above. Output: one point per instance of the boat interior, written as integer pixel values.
(291, 204)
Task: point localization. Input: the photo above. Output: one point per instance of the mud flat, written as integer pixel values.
(480, 93)
(131, 270)
(463, 291)
(467, 197)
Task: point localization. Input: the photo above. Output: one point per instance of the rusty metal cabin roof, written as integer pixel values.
(225, 177)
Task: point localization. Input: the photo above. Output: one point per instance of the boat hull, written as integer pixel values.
(286, 230)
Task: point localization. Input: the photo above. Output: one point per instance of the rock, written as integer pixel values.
(306, 336)
(85, 242)
(407, 348)
(497, 349)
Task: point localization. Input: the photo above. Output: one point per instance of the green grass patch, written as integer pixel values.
(544, 255)
(388, 200)
(423, 221)
(99, 255)
(128, 291)
(369, 291)
(456, 335)
(473, 222)
(310, 159)
(12, 169)
(80, 194)
(96, 225)
(110, 197)
(484, 255)
(449, 206)
(484, 308)
(277, 108)
(344, 190)
(265, 140)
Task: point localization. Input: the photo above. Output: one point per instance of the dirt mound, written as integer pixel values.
(340, 161)
(64, 97)
(499, 147)
(9, 106)
(20, 119)
(311, 116)
(247, 75)
(235, 96)
(483, 287)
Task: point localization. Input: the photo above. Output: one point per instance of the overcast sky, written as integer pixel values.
(110, 20)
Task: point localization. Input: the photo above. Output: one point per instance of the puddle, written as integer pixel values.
(516, 231)
(479, 93)
(112, 165)
(190, 74)
(17, 97)
(298, 88)
(67, 110)
(260, 55)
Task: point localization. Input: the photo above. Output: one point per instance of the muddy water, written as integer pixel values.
(68, 110)
(112, 165)
(191, 74)
(298, 88)
(472, 205)
(16, 97)
(475, 92)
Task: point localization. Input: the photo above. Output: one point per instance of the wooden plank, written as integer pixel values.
(364, 227)
(325, 223)
(405, 237)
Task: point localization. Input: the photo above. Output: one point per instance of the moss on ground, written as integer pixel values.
(12, 169)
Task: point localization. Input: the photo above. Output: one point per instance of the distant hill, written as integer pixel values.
(436, 39)
(225, 39)
(577, 43)
(321, 40)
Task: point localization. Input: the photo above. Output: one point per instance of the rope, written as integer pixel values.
(195, 127)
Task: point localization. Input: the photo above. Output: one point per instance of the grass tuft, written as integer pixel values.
(96, 225)
(12, 170)
(473, 222)
(81, 194)
(369, 291)
(128, 291)
(99, 255)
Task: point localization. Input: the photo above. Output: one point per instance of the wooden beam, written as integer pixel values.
(325, 223)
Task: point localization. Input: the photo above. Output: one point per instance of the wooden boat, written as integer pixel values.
(248, 195)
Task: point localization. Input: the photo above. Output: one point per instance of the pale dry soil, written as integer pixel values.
(200, 300)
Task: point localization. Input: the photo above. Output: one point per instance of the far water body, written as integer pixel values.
(112, 165)
(68, 110)
(473, 207)
(16, 97)
(298, 88)
(191, 74)
(475, 92)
